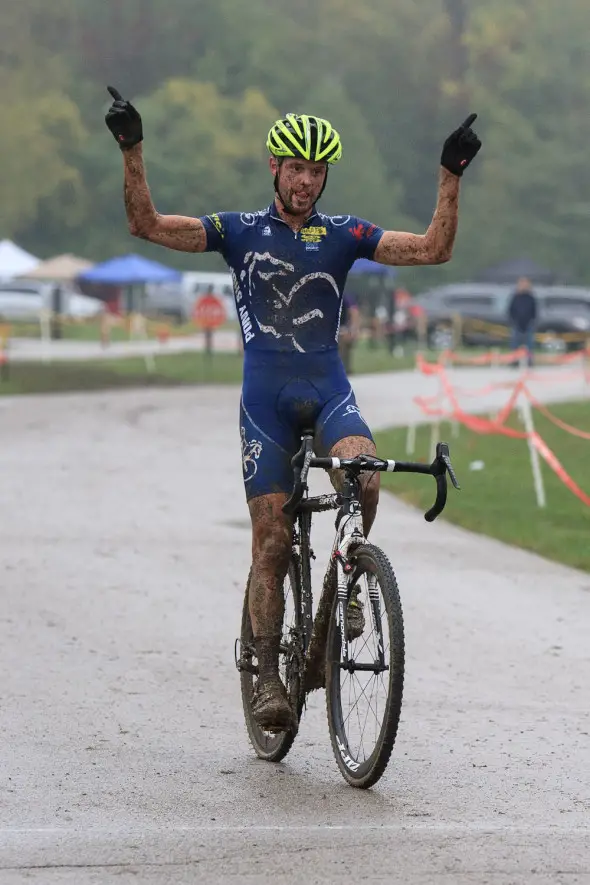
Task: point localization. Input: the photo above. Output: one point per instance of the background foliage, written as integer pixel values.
(210, 77)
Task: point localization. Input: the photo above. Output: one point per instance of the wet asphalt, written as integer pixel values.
(124, 757)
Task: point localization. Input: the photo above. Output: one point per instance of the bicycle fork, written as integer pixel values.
(349, 534)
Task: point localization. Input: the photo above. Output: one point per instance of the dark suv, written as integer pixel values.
(564, 314)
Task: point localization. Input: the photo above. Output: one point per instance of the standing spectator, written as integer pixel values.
(522, 313)
(350, 323)
(399, 320)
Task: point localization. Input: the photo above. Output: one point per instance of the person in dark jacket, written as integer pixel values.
(522, 313)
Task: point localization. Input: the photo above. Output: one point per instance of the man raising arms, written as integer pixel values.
(289, 264)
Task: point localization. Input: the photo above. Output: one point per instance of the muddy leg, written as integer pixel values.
(271, 550)
(350, 447)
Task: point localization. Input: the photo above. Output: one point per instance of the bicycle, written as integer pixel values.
(322, 651)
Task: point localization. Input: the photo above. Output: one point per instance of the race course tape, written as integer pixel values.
(432, 407)
(492, 357)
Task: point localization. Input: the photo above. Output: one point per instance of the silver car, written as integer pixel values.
(24, 301)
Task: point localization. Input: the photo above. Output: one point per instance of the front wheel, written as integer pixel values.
(364, 698)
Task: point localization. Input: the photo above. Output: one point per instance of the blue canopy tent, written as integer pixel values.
(131, 272)
(365, 265)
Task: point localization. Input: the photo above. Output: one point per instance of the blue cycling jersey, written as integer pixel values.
(288, 289)
(288, 285)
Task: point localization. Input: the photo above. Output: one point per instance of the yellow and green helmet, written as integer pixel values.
(304, 136)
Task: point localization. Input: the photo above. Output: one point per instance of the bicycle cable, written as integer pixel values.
(362, 490)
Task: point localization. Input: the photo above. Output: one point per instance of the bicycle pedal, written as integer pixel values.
(244, 660)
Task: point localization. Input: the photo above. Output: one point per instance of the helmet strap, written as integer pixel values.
(286, 206)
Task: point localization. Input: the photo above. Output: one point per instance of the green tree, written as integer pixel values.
(138, 44)
(203, 153)
(530, 78)
(206, 152)
(395, 79)
(41, 131)
(358, 184)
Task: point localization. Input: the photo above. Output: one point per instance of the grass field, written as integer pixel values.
(170, 369)
(499, 500)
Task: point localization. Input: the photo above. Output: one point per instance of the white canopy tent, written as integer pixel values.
(59, 269)
(14, 261)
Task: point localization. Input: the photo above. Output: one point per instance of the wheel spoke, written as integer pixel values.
(354, 699)
(369, 709)
(363, 693)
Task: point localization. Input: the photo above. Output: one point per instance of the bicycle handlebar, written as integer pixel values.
(439, 468)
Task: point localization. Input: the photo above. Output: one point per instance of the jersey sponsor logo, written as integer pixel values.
(359, 231)
(236, 285)
(218, 224)
(249, 218)
(337, 220)
(353, 410)
(251, 452)
(312, 234)
(246, 323)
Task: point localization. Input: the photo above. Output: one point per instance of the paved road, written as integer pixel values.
(124, 757)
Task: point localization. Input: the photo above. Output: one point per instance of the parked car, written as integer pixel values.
(483, 308)
(24, 301)
(177, 300)
(564, 311)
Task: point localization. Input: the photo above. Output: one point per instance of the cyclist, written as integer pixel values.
(289, 264)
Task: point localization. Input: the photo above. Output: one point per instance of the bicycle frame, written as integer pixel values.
(349, 526)
(354, 565)
(349, 534)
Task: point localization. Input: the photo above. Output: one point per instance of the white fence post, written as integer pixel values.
(527, 419)
(45, 331)
(434, 437)
(138, 332)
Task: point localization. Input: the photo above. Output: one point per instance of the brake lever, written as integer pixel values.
(300, 463)
(442, 454)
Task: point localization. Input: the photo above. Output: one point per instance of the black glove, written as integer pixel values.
(123, 121)
(460, 147)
